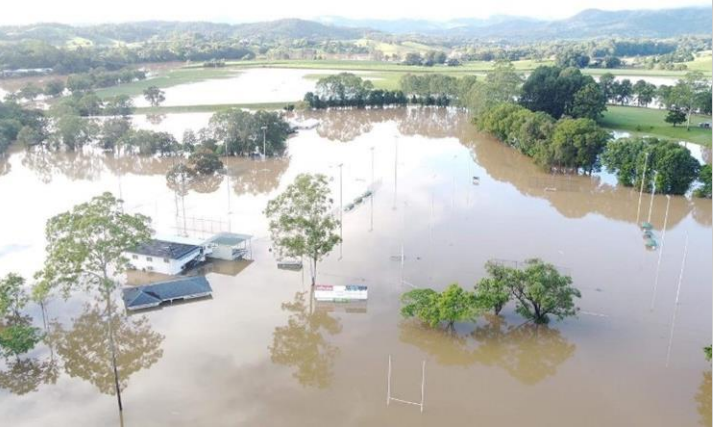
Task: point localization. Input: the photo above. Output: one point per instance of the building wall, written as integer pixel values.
(159, 265)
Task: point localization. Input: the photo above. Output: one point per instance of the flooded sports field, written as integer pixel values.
(446, 200)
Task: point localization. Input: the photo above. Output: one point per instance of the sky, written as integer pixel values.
(97, 11)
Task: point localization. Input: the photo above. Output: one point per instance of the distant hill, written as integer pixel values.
(133, 32)
(590, 23)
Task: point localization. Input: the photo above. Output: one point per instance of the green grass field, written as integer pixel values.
(703, 63)
(648, 121)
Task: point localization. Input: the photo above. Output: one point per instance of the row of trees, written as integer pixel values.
(664, 164)
(350, 90)
(567, 144)
(539, 291)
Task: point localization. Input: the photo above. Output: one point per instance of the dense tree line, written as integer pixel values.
(350, 90)
(666, 164)
(567, 144)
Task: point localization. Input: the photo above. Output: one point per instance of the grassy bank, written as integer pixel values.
(648, 121)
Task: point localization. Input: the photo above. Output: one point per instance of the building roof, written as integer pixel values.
(229, 239)
(164, 249)
(139, 297)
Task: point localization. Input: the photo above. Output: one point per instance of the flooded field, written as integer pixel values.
(258, 353)
(252, 85)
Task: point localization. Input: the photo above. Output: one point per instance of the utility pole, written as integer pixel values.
(653, 193)
(341, 210)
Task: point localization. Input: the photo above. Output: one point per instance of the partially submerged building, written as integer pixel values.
(165, 257)
(229, 246)
(151, 296)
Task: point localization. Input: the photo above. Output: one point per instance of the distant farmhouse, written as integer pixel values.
(165, 257)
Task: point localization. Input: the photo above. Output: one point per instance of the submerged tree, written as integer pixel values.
(542, 292)
(301, 343)
(300, 220)
(493, 292)
(154, 96)
(452, 305)
(85, 250)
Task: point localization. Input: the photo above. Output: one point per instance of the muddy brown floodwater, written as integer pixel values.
(258, 354)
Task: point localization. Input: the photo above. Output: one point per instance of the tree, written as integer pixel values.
(675, 117)
(413, 58)
(205, 162)
(684, 94)
(53, 88)
(12, 295)
(606, 83)
(644, 92)
(18, 336)
(120, 105)
(572, 58)
(542, 292)
(85, 249)
(577, 143)
(154, 96)
(554, 91)
(589, 102)
(622, 91)
(85, 246)
(708, 351)
(433, 308)
(242, 131)
(300, 220)
(502, 85)
(669, 164)
(493, 292)
(705, 178)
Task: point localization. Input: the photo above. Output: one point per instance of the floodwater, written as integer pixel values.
(252, 85)
(259, 354)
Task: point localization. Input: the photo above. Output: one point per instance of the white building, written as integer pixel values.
(165, 257)
(229, 246)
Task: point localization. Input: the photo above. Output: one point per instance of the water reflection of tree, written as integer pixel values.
(703, 398)
(25, 375)
(76, 165)
(256, 177)
(86, 352)
(528, 352)
(575, 196)
(301, 343)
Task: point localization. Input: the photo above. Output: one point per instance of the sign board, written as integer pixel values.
(340, 293)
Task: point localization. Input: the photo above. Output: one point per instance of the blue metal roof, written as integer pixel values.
(139, 297)
(164, 249)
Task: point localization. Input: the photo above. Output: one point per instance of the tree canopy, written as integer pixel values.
(452, 305)
(301, 223)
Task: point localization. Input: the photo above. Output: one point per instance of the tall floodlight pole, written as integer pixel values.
(675, 304)
(663, 243)
(641, 191)
(264, 141)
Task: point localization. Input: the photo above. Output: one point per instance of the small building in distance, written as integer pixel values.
(151, 296)
(229, 246)
(165, 257)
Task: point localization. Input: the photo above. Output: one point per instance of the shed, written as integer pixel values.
(230, 246)
(149, 296)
